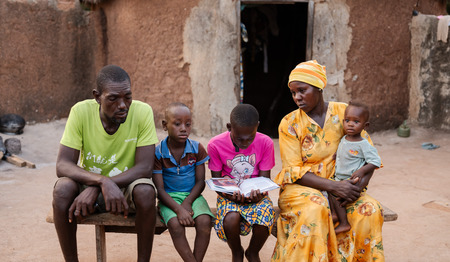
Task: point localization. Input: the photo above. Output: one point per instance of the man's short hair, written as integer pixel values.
(244, 115)
(364, 108)
(111, 73)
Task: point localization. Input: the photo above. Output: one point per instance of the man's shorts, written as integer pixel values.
(100, 205)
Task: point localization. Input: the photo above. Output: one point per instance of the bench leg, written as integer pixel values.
(100, 241)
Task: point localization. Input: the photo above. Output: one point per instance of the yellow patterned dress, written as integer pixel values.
(305, 227)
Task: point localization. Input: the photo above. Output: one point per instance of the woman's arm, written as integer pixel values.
(346, 190)
(291, 153)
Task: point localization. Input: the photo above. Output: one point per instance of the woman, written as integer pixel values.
(308, 138)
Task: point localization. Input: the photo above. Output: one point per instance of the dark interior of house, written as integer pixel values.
(274, 43)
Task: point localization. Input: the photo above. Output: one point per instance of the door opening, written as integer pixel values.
(276, 43)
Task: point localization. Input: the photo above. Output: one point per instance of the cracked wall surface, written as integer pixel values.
(429, 79)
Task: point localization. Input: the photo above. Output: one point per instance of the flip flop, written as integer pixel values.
(429, 146)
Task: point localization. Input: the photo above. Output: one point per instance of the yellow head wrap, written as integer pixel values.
(309, 72)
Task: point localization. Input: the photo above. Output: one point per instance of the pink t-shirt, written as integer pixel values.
(245, 163)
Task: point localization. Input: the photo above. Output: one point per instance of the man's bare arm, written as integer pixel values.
(66, 166)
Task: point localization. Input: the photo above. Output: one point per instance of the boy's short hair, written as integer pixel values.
(174, 105)
(364, 108)
(244, 115)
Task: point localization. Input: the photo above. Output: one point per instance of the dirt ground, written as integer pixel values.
(411, 179)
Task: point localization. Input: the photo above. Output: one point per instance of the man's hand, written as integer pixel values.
(83, 204)
(114, 200)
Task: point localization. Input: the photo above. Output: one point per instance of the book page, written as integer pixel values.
(224, 184)
(264, 184)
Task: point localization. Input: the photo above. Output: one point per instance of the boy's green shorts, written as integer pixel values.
(199, 206)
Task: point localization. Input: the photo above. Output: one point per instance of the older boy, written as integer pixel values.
(241, 153)
(113, 139)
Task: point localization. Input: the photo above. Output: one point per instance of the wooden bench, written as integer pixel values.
(106, 222)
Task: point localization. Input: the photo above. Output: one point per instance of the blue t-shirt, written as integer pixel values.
(179, 177)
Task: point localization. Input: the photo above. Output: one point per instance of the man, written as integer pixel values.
(112, 138)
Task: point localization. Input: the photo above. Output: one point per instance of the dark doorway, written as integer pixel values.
(276, 44)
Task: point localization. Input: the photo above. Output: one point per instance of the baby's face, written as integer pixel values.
(243, 136)
(354, 121)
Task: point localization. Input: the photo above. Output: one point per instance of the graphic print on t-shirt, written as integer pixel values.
(242, 166)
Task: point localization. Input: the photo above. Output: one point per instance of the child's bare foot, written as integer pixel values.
(251, 257)
(238, 256)
(342, 228)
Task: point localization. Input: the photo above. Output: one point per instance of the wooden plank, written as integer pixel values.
(388, 214)
(438, 205)
(16, 161)
(27, 163)
(107, 219)
(111, 221)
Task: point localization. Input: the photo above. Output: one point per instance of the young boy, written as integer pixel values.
(241, 153)
(355, 157)
(179, 176)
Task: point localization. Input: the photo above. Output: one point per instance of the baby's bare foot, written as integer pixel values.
(342, 228)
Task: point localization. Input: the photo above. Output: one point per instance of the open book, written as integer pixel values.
(229, 185)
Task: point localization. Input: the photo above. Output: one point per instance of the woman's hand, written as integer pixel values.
(346, 191)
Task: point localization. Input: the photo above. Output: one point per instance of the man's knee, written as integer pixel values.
(65, 191)
(144, 196)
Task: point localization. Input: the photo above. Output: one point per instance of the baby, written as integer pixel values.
(355, 157)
